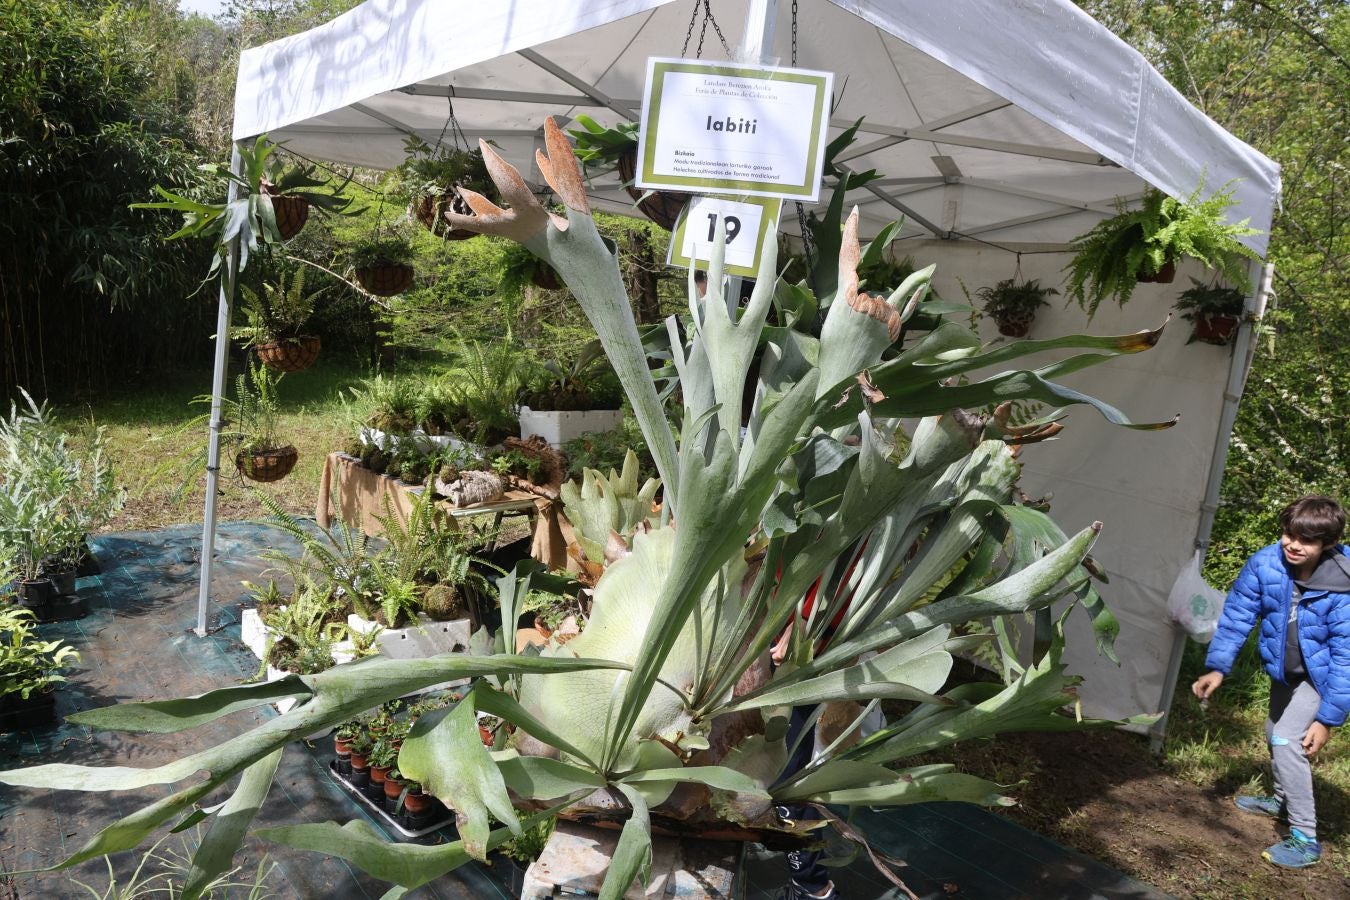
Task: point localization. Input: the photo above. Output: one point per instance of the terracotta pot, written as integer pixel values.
(360, 760)
(378, 774)
(342, 746)
(662, 207)
(292, 213)
(1214, 329)
(416, 803)
(485, 734)
(290, 354)
(267, 465)
(1164, 275)
(387, 279)
(393, 788)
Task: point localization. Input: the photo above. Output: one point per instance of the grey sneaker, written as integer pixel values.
(1298, 851)
(1261, 806)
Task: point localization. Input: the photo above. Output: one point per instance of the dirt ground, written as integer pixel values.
(1104, 794)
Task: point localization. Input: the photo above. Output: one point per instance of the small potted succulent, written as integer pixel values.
(601, 147)
(1012, 304)
(432, 179)
(383, 264)
(1144, 244)
(276, 318)
(1213, 310)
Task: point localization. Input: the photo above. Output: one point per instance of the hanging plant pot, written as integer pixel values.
(1213, 328)
(267, 465)
(289, 354)
(662, 207)
(1165, 275)
(291, 213)
(1015, 326)
(428, 209)
(386, 280)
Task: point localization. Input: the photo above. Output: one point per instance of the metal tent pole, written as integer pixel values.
(1244, 349)
(225, 307)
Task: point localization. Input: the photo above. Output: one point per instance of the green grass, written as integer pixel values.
(145, 436)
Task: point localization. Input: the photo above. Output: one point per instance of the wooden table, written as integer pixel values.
(361, 497)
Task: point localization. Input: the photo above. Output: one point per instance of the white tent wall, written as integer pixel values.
(1009, 124)
(1146, 487)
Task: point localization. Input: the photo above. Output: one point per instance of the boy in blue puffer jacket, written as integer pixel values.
(1299, 592)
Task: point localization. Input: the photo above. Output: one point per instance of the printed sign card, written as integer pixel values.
(726, 128)
(750, 221)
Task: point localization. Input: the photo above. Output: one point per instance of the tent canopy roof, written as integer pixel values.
(1007, 123)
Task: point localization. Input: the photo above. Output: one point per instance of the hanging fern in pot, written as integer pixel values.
(1012, 304)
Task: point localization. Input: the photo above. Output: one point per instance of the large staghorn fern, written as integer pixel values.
(663, 710)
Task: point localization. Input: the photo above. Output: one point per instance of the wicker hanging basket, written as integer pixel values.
(662, 207)
(266, 465)
(290, 354)
(1165, 275)
(428, 209)
(386, 280)
(291, 213)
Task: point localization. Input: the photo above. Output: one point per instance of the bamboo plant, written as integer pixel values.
(664, 709)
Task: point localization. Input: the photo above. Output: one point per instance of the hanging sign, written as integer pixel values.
(726, 128)
(750, 221)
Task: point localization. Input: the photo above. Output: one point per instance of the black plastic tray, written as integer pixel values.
(399, 825)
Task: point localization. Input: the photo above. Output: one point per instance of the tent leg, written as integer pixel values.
(223, 316)
(1244, 348)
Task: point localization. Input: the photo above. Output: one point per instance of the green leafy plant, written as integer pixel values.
(1202, 300)
(598, 145)
(1109, 258)
(280, 312)
(248, 215)
(1013, 304)
(165, 870)
(28, 664)
(380, 250)
(815, 498)
(606, 450)
(338, 556)
(433, 177)
(587, 382)
(301, 633)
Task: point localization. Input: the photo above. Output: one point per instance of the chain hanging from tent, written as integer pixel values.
(808, 245)
(706, 7)
(452, 125)
(1017, 270)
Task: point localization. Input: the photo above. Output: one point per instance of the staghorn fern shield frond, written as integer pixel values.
(824, 525)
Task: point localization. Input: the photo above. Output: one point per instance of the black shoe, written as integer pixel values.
(794, 891)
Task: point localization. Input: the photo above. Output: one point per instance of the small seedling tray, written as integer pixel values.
(395, 824)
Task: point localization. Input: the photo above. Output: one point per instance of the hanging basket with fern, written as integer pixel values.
(433, 179)
(268, 465)
(1012, 304)
(289, 354)
(383, 264)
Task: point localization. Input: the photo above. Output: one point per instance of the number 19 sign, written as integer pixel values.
(749, 221)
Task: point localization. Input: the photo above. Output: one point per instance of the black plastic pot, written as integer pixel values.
(18, 714)
(62, 578)
(86, 563)
(36, 594)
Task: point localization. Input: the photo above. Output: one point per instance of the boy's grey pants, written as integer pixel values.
(1293, 709)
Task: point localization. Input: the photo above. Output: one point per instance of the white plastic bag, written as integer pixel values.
(1193, 604)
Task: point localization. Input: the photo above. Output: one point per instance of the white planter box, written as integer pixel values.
(559, 427)
(426, 638)
(424, 441)
(253, 633)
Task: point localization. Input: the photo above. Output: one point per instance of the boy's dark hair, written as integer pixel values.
(1314, 518)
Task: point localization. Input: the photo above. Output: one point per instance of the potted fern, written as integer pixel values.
(383, 264)
(276, 318)
(1145, 244)
(1012, 304)
(1213, 310)
(432, 178)
(599, 147)
(572, 398)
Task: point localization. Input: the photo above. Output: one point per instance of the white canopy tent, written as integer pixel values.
(1002, 128)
